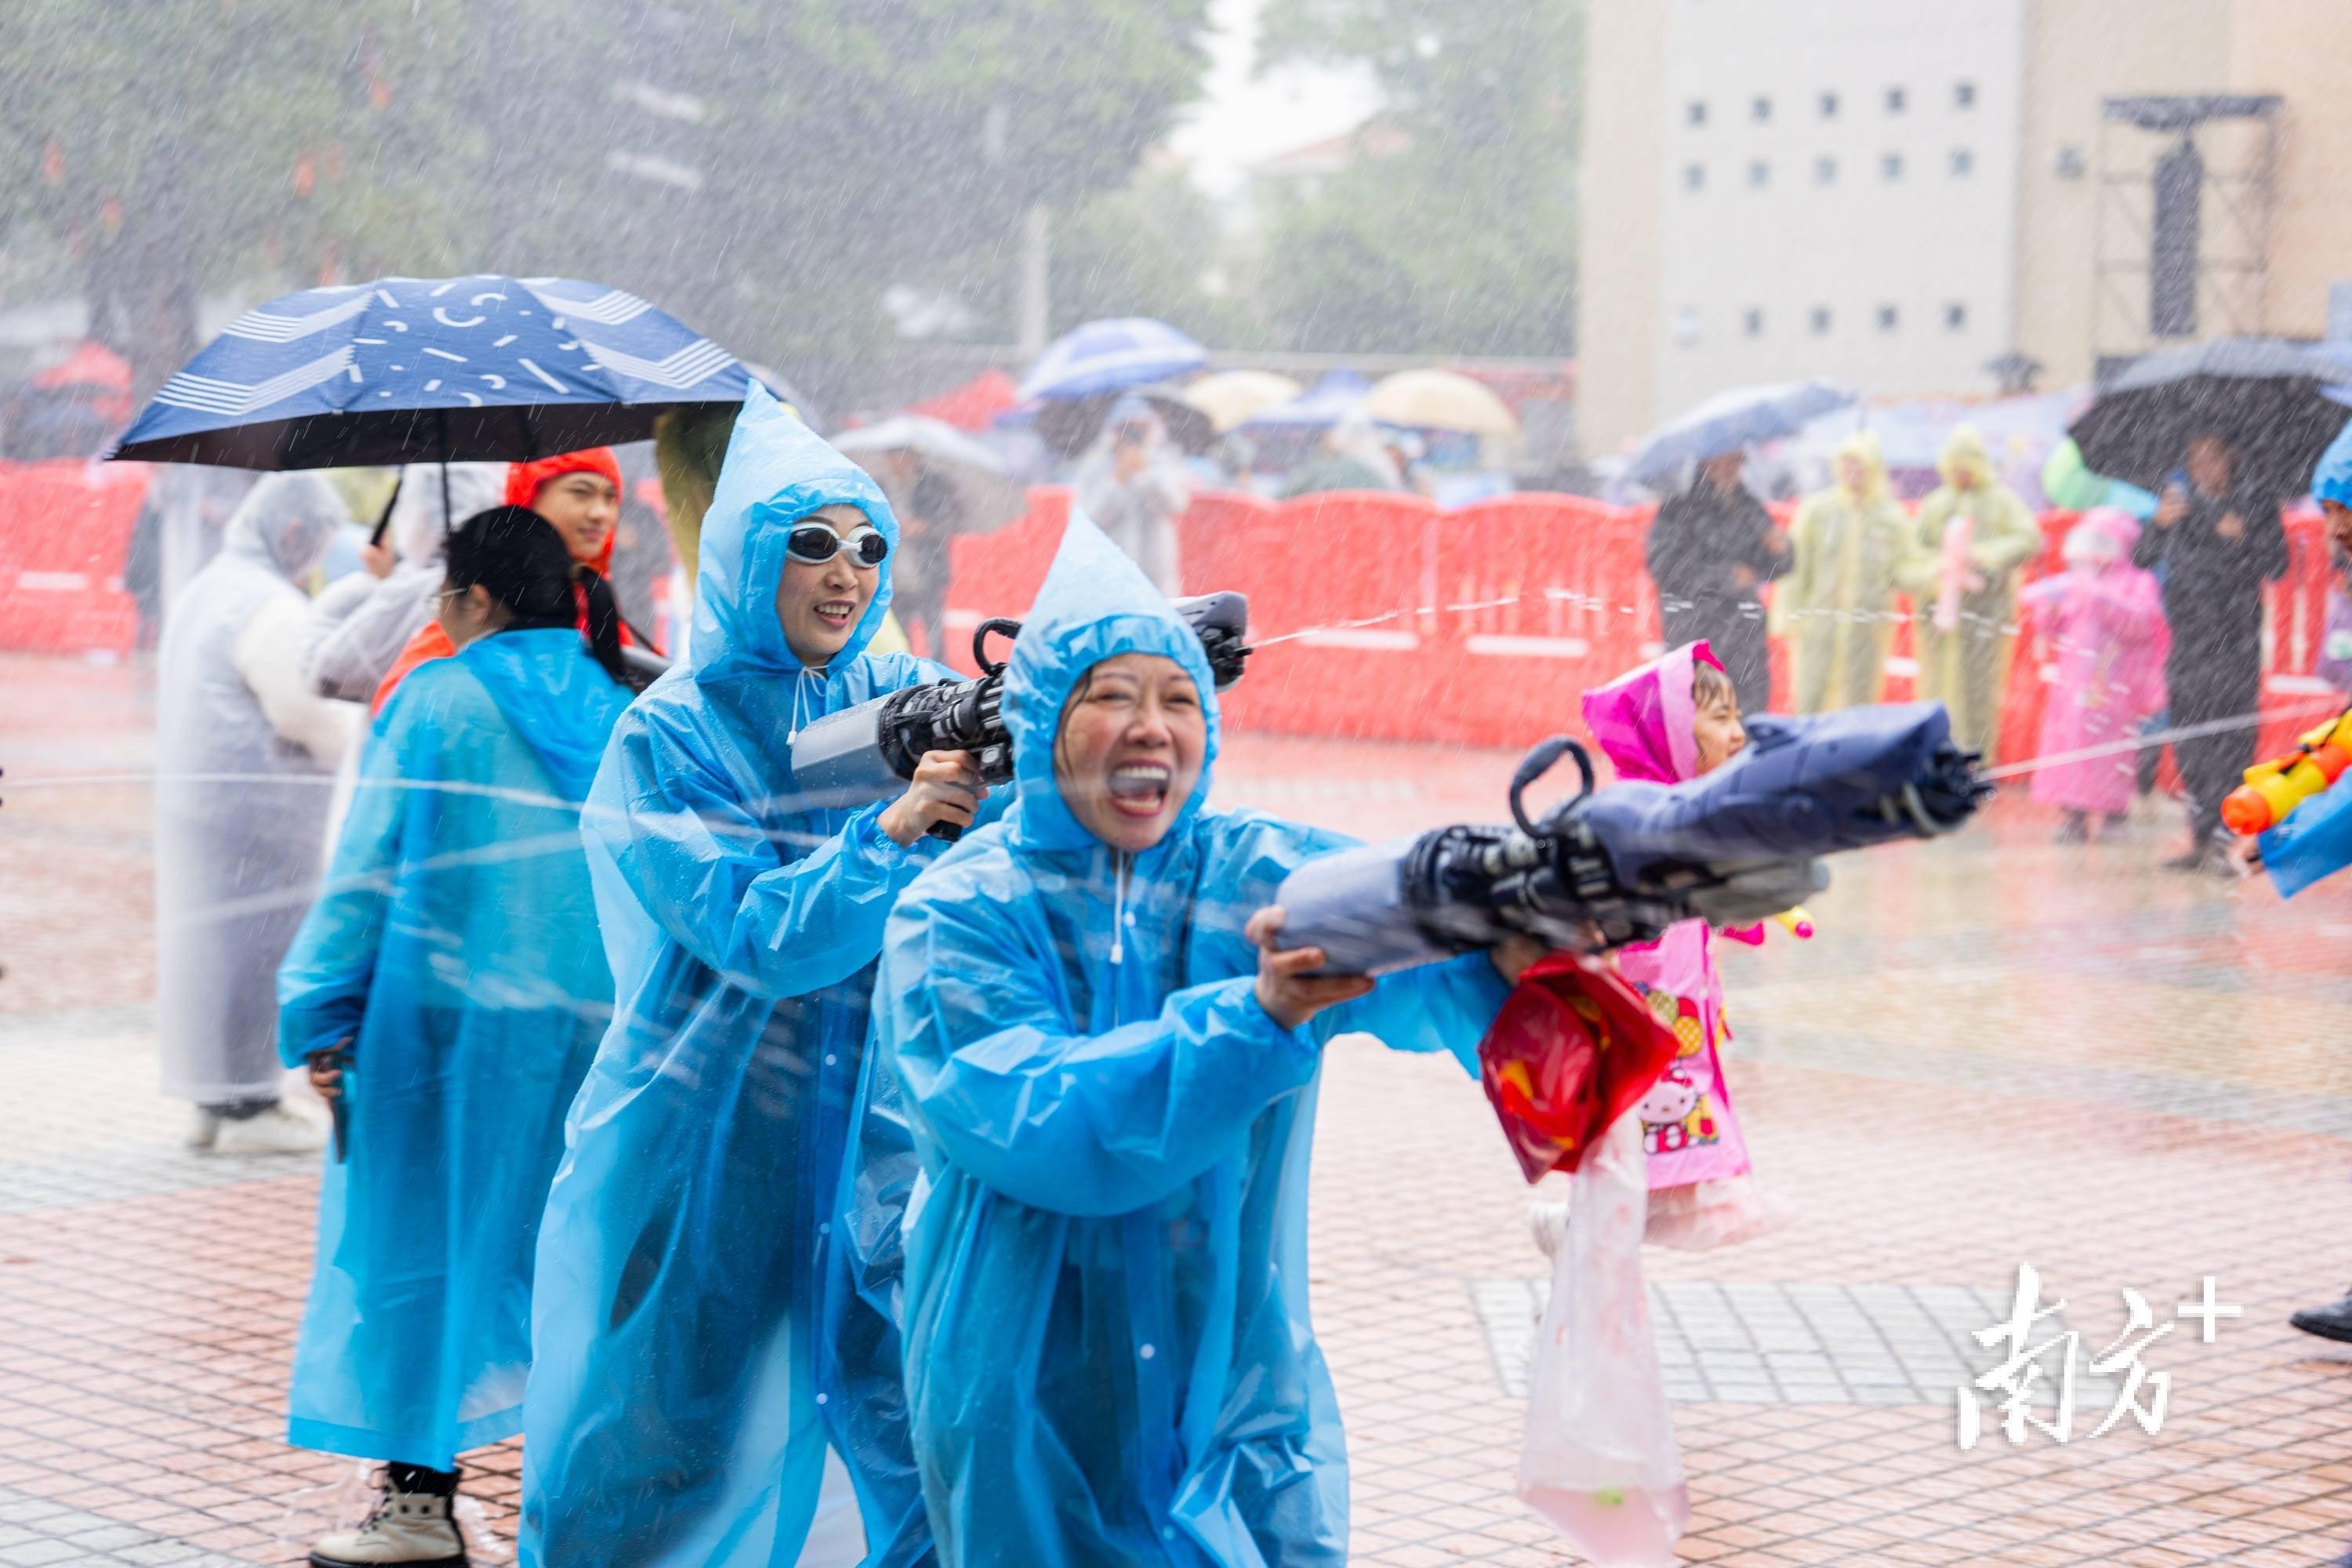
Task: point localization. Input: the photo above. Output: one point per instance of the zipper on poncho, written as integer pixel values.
(1121, 862)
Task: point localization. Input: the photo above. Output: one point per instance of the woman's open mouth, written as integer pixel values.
(1139, 789)
(836, 613)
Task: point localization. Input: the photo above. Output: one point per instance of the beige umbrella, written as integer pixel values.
(1440, 400)
(1234, 397)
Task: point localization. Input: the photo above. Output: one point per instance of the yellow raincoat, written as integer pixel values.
(1968, 669)
(1836, 606)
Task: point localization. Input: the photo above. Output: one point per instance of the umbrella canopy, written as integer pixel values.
(1233, 397)
(412, 368)
(1440, 400)
(988, 497)
(1112, 356)
(1730, 420)
(974, 405)
(2268, 398)
(1335, 394)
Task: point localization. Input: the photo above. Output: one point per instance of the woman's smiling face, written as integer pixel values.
(1129, 750)
(819, 605)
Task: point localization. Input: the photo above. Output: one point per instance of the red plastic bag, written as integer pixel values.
(1572, 1050)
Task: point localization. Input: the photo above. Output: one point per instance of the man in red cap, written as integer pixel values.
(580, 493)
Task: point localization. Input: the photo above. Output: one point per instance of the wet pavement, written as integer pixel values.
(1998, 1051)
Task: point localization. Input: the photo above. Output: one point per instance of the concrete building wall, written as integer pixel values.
(2302, 49)
(1621, 185)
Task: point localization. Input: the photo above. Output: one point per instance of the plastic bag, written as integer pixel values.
(1598, 1458)
(1697, 1217)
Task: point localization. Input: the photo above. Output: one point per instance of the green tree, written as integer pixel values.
(795, 160)
(1462, 241)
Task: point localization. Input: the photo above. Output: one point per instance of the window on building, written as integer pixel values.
(1694, 176)
(1896, 100)
(1753, 322)
(1956, 317)
(1964, 162)
(1760, 173)
(1889, 318)
(1829, 106)
(1760, 110)
(1825, 171)
(1964, 95)
(1821, 320)
(1696, 112)
(1891, 166)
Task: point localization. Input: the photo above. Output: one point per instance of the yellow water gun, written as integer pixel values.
(2276, 787)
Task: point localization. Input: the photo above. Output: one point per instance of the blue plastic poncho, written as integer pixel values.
(1108, 1358)
(456, 946)
(2315, 842)
(673, 1414)
(2331, 479)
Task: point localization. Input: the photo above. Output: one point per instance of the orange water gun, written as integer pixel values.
(2276, 787)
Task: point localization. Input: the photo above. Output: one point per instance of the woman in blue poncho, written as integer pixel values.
(446, 992)
(1112, 1077)
(673, 1414)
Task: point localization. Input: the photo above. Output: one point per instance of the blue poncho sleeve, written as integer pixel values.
(322, 985)
(778, 918)
(1085, 1124)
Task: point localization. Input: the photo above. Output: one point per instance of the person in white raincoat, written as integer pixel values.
(361, 623)
(245, 750)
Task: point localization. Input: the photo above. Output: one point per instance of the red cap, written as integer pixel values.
(523, 481)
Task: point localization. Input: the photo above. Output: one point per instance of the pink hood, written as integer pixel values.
(1643, 720)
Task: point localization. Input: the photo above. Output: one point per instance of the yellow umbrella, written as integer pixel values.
(1236, 397)
(1440, 400)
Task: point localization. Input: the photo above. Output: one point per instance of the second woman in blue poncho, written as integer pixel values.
(673, 1414)
(1112, 1087)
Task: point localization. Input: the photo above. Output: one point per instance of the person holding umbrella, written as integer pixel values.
(1969, 542)
(446, 992)
(1710, 548)
(362, 623)
(2215, 540)
(580, 494)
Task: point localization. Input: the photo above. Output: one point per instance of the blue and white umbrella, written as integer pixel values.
(1730, 420)
(415, 369)
(1336, 396)
(1106, 356)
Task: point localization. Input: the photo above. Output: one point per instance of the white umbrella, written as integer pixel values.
(990, 497)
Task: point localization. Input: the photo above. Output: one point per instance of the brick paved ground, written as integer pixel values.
(1998, 1051)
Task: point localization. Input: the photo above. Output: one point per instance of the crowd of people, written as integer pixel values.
(789, 1177)
(2156, 626)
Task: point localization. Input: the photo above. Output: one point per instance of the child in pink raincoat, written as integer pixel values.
(1674, 719)
(2102, 630)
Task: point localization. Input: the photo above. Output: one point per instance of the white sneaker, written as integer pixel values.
(203, 1129)
(412, 1529)
(280, 1129)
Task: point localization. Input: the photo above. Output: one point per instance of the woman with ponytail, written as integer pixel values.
(580, 494)
(447, 991)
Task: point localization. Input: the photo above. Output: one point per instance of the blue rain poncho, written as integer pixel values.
(1107, 1353)
(455, 947)
(673, 1414)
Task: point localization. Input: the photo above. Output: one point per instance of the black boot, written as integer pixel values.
(2333, 1321)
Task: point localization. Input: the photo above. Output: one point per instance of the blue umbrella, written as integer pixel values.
(1730, 420)
(1337, 394)
(1104, 356)
(412, 368)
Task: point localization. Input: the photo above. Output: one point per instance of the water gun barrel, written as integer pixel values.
(2276, 787)
(1798, 922)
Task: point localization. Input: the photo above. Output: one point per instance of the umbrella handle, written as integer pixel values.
(383, 521)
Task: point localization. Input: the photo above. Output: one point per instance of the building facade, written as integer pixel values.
(1898, 196)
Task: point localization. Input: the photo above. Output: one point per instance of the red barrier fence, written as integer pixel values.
(1378, 616)
(64, 535)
